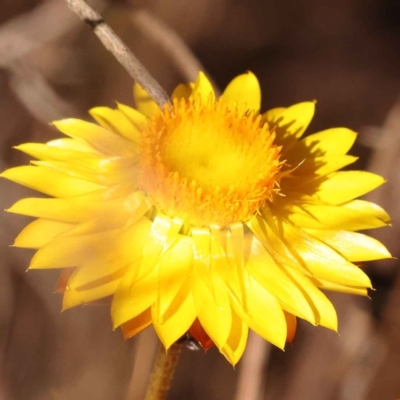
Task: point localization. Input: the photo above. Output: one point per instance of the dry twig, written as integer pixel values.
(119, 50)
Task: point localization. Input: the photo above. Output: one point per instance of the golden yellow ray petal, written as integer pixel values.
(138, 119)
(203, 88)
(243, 92)
(331, 142)
(321, 260)
(183, 91)
(137, 324)
(271, 116)
(73, 144)
(273, 243)
(353, 246)
(125, 249)
(124, 217)
(76, 209)
(72, 251)
(102, 172)
(41, 232)
(321, 166)
(325, 285)
(96, 136)
(235, 251)
(133, 296)
(117, 122)
(323, 308)
(340, 187)
(264, 314)
(73, 298)
(368, 208)
(211, 298)
(143, 101)
(138, 289)
(46, 152)
(290, 124)
(335, 217)
(49, 181)
(237, 340)
(178, 323)
(163, 233)
(173, 270)
(276, 281)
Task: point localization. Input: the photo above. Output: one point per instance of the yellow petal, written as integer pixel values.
(321, 166)
(127, 215)
(211, 298)
(237, 340)
(47, 152)
(132, 296)
(323, 308)
(49, 182)
(163, 233)
(70, 251)
(72, 144)
(96, 136)
(73, 298)
(271, 116)
(235, 251)
(137, 324)
(243, 92)
(291, 123)
(106, 172)
(125, 249)
(173, 270)
(77, 209)
(183, 91)
(343, 186)
(353, 246)
(40, 232)
(117, 122)
(340, 288)
(368, 208)
(203, 88)
(321, 260)
(263, 314)
(137, 118)
(335, 217)
(178, 323)
(273, 243)
(144, 103)
(271, 277)
(331, 142)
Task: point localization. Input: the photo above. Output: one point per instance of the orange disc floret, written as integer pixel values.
(209, 163)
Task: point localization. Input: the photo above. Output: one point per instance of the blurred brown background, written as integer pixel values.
(344, 53)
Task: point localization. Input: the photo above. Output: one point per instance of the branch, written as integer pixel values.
(119, 50)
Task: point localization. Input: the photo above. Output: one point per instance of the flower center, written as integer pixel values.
(209, 164)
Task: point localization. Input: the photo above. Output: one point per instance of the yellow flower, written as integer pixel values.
(206, 214)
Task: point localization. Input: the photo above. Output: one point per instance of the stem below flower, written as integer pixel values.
(163, 372)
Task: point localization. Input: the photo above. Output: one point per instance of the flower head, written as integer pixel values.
(204, 216)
